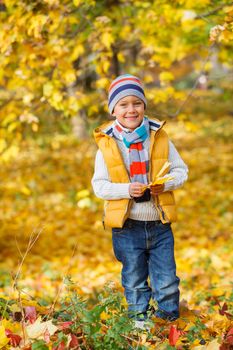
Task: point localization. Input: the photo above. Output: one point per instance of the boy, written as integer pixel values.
(132, 150)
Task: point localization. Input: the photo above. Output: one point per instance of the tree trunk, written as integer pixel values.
(79, 126)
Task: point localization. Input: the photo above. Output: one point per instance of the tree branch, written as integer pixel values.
(207, 14)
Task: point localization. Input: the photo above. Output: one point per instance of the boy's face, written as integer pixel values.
(129, 111)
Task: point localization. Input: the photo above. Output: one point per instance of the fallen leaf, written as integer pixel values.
(174, 335)
(61, 346)
(30, 313)
(46, 336)
(14, 338)
(213, 345)
(38, 328)
(229, 336)
(3, 338)
(65, 325)
(104, 316)
(74, 341)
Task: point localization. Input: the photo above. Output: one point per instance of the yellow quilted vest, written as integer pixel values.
(117, 211)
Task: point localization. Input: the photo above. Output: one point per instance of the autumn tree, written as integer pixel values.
(57, 57)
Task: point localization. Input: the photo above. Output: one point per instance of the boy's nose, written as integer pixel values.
(131, 108)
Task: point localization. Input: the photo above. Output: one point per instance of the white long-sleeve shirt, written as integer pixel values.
(107, 190)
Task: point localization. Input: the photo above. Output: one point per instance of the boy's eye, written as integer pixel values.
(136, 103)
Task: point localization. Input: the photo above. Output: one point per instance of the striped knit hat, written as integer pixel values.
(122, 86)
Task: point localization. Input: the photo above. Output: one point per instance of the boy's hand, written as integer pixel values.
(135, 189)
(156, 189)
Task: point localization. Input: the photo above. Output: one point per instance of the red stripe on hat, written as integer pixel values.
(137, 146)
(137, 168)
(123, 79)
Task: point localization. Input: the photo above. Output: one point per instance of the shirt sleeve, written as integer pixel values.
(102, 185)
(178, 170)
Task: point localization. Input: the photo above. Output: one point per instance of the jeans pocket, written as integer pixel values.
(117, 230)
(163, 228)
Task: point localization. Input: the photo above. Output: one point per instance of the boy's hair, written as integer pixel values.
(125, 85)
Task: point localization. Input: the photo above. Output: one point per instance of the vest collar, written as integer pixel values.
(107, 128)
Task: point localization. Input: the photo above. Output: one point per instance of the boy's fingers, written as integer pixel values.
(156, 189)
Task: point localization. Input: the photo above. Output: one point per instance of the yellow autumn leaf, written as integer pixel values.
(93, 109)
(159, 180)
(15, 327)
(28, 98)
(121, 57)
(15, 308)
(107, 39)
(191, 126)
(77, 52)
(52, 2)
(166, 76)
(77, 2)
(162, 180)
(10, 153)
(194, 344)
(148, 78)
(48, 89)
(3, 338)
(84, 203)
(102, 83)
(25, 190)
(189, 316)
(35, 127)
(160, 96)
(57, 96)
(12, 126)
(3, 145)
(217, 292)
(105, 66)
(69, 76)
(82, 194)
(104, 316)
(164, 169)
(36, 24)
(215, 278)
(9, 119)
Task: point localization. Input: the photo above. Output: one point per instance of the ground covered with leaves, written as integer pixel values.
(60, 283)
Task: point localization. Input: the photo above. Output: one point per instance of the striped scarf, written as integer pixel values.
(138, 156)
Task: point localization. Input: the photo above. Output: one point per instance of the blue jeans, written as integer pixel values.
(146, 249)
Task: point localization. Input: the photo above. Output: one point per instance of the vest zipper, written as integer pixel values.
(160, 208)
(104, 214)
(103, 222)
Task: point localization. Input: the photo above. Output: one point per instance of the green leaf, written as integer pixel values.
(39, 345)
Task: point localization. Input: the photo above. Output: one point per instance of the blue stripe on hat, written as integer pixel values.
(125, 87)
